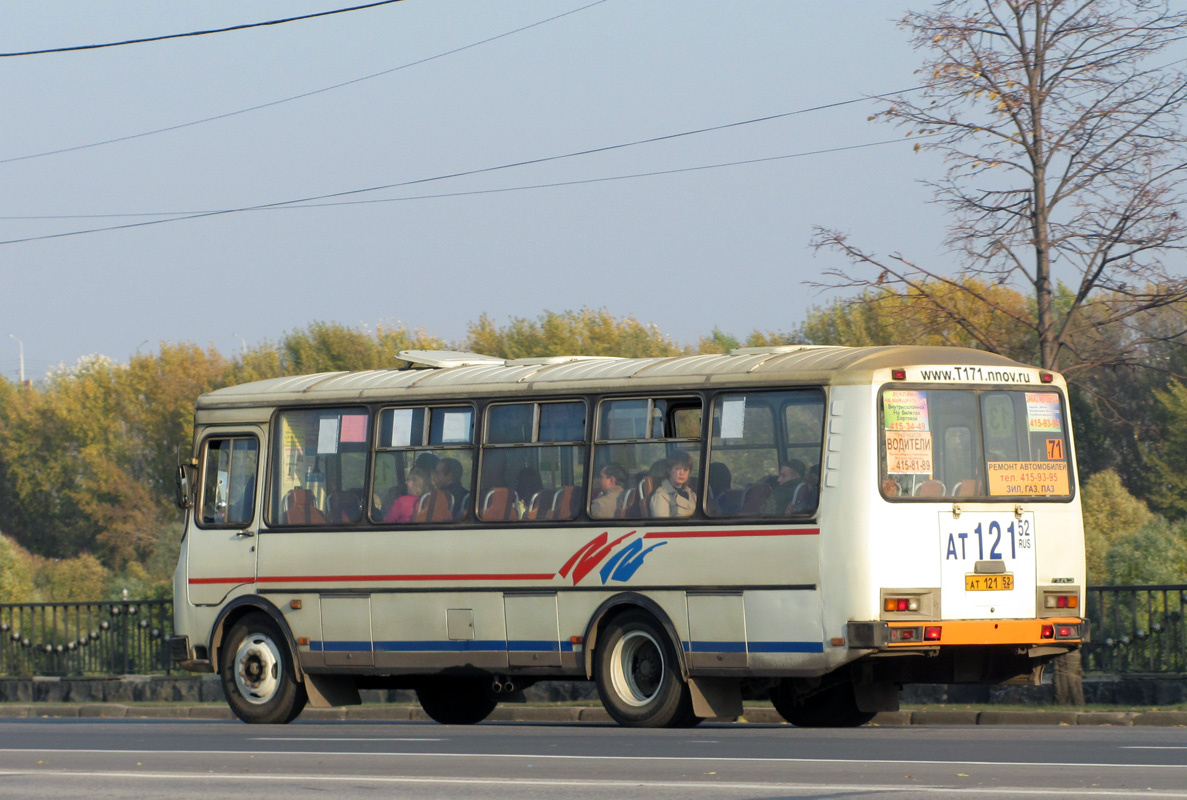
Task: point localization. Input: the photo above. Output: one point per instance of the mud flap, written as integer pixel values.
(330, 692)
(716, 698)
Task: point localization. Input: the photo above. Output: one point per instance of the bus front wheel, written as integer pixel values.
(456, 701)
(638, 677)
(257, 672)
(834, 707)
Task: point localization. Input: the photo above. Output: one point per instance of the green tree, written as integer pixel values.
(16, 573)
(1167, 452)
(1155, 554)
(72, 580)
(586, 332)
(1111, 515)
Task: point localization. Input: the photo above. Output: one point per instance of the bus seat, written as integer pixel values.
(756, 497)
(567, 502)
(300, 508)
(628, 504)
(930, 489)
(966, 488)
(540, 504)
(434, 507)
(343, 507)
(647, 487)
(728, 503)
(499, 504)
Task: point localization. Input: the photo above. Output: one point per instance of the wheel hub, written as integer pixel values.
(257, 669)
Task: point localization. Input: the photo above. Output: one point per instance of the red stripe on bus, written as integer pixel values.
(221, 580)
(374, 578)
(719, 534)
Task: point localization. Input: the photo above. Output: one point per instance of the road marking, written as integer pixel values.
(712, 786)
(1152, 747)
(561, 757)
(340, 739)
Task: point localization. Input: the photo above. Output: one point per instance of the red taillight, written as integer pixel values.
(901, 604)
(1065, 632)
(1048, 632)
(1046, 377)
(898, 374)
(907, 635)
(1061, 601)
(932, 634)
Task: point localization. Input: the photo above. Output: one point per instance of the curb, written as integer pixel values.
(755, 715)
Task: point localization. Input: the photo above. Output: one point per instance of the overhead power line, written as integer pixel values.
(309, 202)
(303, 95)
(481, 170)
(242, 27)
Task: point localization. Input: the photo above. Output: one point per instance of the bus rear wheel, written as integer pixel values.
(638, 677)
(258, 674)
(834, 707)
(456, 701)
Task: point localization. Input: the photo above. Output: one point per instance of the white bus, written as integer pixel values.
(817, 525)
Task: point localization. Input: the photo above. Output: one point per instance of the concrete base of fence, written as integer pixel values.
(1109, 690)
(190, 690)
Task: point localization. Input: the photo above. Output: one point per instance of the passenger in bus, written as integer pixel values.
(789, 483)
(612, 478)
(404, 507)
(447, 477)
(723, 499)
(808, 495)
(674, 497)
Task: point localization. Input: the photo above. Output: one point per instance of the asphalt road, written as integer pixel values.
(180, 759)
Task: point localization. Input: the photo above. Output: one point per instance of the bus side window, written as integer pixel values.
(654, 442)
(423, 465)
(533, 461)
(764, 457)
(320, 469)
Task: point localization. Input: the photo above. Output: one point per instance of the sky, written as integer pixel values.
(468, 87)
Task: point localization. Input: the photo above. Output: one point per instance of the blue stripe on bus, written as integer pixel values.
(787, 647)
(753, 647)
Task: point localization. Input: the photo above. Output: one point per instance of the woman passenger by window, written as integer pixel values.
(404, 507)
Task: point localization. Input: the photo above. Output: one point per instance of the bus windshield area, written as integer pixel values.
(970, 443)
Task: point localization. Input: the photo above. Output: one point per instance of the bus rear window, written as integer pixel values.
(965, 443)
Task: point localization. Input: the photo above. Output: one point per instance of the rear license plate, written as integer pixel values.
(988, 583)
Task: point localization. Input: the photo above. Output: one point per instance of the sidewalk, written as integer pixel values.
(519, 712)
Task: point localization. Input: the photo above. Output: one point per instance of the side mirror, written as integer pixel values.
(185, 486)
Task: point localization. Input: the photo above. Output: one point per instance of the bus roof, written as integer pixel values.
(477, 375)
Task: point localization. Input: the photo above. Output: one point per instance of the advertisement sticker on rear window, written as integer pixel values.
(904, 410)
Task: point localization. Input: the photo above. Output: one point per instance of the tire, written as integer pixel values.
(456, 701)
(258, 674)
(638, 677)
(834, 707)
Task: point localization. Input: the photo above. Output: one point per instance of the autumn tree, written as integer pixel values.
(586, 332)
(1064, 151)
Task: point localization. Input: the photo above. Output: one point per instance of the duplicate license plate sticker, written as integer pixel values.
(988, 583)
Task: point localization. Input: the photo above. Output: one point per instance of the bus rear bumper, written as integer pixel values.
(1067, 632)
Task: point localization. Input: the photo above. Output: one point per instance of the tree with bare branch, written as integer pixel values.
(1064, 153)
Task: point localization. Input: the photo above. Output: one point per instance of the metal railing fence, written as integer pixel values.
(85, 639)
(1137, 629)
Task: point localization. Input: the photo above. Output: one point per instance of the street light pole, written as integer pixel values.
(21, 346)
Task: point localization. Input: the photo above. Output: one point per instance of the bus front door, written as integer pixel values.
(221, 550)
